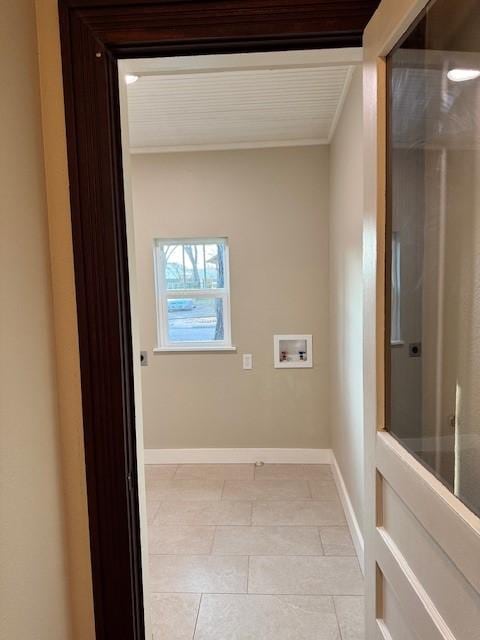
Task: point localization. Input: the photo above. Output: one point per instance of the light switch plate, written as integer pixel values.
(247, 361)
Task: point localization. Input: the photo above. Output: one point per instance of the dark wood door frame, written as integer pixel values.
(94, 35)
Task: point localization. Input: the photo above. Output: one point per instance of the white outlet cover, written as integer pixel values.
(247, 361)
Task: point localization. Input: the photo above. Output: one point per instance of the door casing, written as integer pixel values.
(94, 35)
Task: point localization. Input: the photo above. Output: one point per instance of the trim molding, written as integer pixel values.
(226, 146)
(410, 592)
(352, 521)
(451, 524)
(229, 456)
(382, 630)
(341, 103)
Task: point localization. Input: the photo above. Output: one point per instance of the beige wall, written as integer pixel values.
(346, 327)
(272, 204)
(65, 319)
(33, 578)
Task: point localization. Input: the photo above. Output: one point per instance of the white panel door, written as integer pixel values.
(422, 542)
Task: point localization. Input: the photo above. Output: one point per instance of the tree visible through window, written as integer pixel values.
(193, 298)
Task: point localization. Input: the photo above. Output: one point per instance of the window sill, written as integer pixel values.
(194, 349)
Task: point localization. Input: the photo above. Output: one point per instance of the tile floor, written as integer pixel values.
(239, 552)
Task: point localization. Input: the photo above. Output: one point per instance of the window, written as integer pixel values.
(193, 294)
(433, 178)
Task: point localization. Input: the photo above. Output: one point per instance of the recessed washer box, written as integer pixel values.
(292, 351)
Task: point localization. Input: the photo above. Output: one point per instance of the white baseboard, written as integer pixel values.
(352, 521)
(229, 456)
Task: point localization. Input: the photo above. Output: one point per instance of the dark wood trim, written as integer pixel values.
(100, 255)
(94, 34)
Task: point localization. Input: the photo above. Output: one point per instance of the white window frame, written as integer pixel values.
(162, 295)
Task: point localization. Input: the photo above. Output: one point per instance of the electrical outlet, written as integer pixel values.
(415, 349)
(247, 361)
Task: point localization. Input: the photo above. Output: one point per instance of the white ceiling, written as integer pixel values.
(250, 100)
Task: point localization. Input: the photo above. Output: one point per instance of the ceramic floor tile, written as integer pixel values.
(298, 512)
(323, 490)
(337, 541)
(215, 471)
(159, 471)
(351, 617)
(160, 490)
(152, 508)
(180, 539)
(198, 574)
(249, 617)
(204, 512)
(294, 472)
(174, 615)
(217, 531)
(266, 490)
(264, 541)
(304, 575)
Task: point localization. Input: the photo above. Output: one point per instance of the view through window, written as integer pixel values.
(192, 288)
(434, 209)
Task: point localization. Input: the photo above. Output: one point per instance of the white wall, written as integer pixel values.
(346, 328)
(34, 598)
(272, 204)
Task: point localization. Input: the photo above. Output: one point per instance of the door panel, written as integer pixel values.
(449, 522)
(394, 625)
(434, 570)
(422, 543)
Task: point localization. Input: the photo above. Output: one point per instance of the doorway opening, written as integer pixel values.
(235, 170)
(410, 516)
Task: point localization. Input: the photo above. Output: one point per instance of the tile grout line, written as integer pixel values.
(321, 541)
(249, 524)
(336, 618)
(197, 616)
(175, 525)
(155, 512)
(254, 555)
(310, 489)
(252, 499)
(258, 593)
(261, 500)
(241, 524)
(213, 540)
